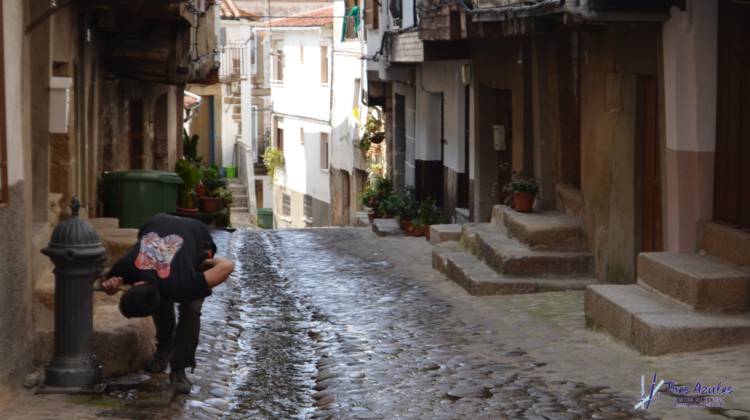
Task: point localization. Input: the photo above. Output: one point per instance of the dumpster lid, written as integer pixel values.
(143, 175)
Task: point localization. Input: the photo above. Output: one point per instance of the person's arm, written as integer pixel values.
(217, 271)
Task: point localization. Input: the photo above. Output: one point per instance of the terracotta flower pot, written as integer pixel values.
(524, 202)
(200, 190)
(418, 231)
(191, 212)
(407, 227)
(427, 232)
(209, 204)
(371, 216)
(388, 216)
(224, 204)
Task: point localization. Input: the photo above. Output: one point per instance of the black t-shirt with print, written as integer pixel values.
(168, 252)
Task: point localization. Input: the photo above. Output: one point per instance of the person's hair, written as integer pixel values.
(140, 301)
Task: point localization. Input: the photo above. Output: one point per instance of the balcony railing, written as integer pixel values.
(234, 65)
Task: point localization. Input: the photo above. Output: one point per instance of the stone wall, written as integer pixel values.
(614, 60)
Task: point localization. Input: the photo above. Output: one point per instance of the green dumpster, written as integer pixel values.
(265, 218)
(135, 196)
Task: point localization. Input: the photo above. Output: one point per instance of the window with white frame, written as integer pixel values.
(286, 204)
(278, 52)
(324, 65)
(253, 53)
(324, 151)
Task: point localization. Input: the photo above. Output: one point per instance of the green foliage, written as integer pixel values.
(226, 195)
(372, 129)
(212, 179)
(520, 184)
(430, 213)
(190, 175)
(273, 158)
(190, 148)
(384, 183)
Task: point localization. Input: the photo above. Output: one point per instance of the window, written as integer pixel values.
(302, 135)
(253, 52)
(279, 62)
(323, 150)
(280, 134)
(301, 53)
(324, 65)
(308, 207)
(371, 14)
(286, 205)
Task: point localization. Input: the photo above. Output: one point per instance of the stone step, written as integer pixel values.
(479, 280)
(546, 231)
(239, 209)
(386, 227)
(238, 189)
(444, 233)
(235, 181)
(725, 242)
(510, 259)
(239, 201)
(694, 280)
(655, 326)
(105, 222)
(117, 242)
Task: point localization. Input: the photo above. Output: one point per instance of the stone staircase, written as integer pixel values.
(239, 192)
(681, 302)
(518, 253)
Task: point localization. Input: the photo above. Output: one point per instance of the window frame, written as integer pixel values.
(286, 205)
(307, 200)
(325, 158)
(324, 62)
(279, 63)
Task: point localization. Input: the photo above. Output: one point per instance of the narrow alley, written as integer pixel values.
(341, 324)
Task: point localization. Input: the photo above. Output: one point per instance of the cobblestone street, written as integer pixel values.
(341, 324)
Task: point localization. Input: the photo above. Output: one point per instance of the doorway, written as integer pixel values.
(732, 171)
(203, 126)
(504, 127)
(652, 222)
(462, 179)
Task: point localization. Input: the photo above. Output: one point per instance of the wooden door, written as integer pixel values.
(732, 168)
(653, 237)
(137, 153)
(504, 118)
(201, 125)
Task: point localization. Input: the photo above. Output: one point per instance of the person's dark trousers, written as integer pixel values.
(182, 340)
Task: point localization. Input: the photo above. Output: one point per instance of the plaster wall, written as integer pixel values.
(302, 171)
(15, 220)
(445, 77)
(321, 210)
(301, 94)
(613, 61)
(690, 87)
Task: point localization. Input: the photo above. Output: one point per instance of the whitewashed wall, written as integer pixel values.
(346, 69)
(304, 103)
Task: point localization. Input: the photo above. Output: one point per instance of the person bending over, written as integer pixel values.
(173, 261)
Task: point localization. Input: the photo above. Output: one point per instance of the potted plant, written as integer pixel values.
(369, 194)
(373, 133)
(274, 160)
(190, 148)
(430, 214)
(409, 209)
(417, 227)
(391, 206)
(190, 176)
(524, 192)
(227, 197)
(214, 183)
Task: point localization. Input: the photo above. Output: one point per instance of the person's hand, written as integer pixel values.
(112, 285)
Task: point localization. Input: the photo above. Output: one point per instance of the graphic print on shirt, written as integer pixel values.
(156, 253)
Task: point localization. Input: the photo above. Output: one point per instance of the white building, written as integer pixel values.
(301, 85)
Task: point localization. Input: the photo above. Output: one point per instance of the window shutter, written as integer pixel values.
(371, 14)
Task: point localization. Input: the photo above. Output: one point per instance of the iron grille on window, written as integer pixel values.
(233, 63)
(308, 206)
(287, 205)
(259, 148)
